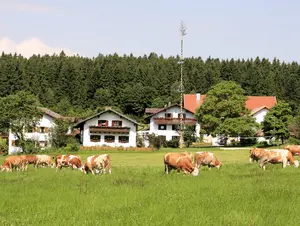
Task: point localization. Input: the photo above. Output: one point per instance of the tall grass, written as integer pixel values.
(139, 193)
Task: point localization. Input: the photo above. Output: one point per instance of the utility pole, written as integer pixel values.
(183, 33)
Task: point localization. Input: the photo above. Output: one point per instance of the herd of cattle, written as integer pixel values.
(95, 164)
(187, 162)
(184, 161)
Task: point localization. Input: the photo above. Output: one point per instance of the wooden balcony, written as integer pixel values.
(109, 129)
(174, 121)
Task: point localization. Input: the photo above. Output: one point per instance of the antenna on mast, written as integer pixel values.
(182, 33)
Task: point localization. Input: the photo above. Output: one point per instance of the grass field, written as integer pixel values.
(139, 193)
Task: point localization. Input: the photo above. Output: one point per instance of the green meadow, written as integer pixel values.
(139, 193)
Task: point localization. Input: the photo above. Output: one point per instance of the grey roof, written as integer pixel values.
(50, 113)
(102, 112)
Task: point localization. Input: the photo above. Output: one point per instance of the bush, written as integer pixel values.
(3, 147)
(293, 140)
(172, 143)
(155, 141)
(72, 145)
(139, 142)
(29, 146)
(245, 141)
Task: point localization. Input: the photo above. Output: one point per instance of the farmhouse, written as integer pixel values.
(165, 122)
(109, 128)
(259, 106)
(40, 133)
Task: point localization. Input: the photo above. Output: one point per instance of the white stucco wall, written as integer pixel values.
(260, 115)
(45, 121)
(109, 116)
(175, 111)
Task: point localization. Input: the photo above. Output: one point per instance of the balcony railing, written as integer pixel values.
(109, 129)
(174, 121)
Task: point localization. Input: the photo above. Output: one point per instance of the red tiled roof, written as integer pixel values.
(191, 103)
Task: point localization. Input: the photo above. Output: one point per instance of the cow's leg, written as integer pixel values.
(178, 170)
(263, 163)
(284, 162)
(166, 169)
(250, 159)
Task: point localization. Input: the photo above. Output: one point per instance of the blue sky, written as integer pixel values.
(216, 28)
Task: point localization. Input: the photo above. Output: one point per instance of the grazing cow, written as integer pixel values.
(31, 159)
(294, 149)
(43, 160)
(17, 162)
(205, 158)
(72, 161)
(180, 161)
(98, 163)
(256, 154)
(278, 156)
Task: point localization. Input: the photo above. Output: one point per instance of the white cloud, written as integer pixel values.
(29, 47)
(24, 7)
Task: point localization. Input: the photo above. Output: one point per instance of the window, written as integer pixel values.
(175, 137)
(162, 127)
(95, 138)
(42, 129)
(102, 123)
(116, 123)
(109, 139)
(183, 115)
(123, 139)
(175, 127)
(168, 115)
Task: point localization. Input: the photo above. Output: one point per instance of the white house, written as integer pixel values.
(258, 106)
(165, 122)
(109, 128)
(40, 133)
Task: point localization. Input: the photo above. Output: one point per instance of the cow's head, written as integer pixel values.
(195, 171)
(218, 164)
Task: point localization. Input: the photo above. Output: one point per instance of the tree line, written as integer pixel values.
(78, 86)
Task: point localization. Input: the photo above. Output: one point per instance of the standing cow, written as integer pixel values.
(44, 160)
(256, 154)
(180, 161)
(72, 161)
(98, 163)
(17, 162)
(278, 156)
(205, 158)
(294, 149)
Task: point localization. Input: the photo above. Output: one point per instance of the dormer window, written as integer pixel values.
(183, 115)
(168, 115)
(117, 123)
(102, 123)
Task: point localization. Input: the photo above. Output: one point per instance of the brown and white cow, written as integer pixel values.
(98, 163)
(43, 160)
(256, 154)
(180, 161)
(31, 159)
(278, 156)
(294, 149)
(17, 162)
(72, 161)
(206, 158)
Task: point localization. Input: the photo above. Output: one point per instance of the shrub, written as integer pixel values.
(245, 141)
(293, 140)
(155, 141)
(3, 147)
(172, 143)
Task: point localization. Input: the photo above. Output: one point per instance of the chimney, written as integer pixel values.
(169, 104)
(198, 95)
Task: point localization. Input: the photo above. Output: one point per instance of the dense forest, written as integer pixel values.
(78, 86)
